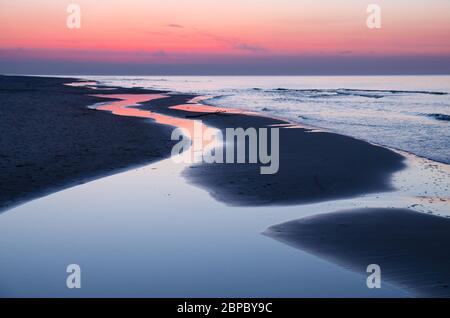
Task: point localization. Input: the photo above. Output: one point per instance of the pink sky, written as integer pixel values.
(171, 31)
(228, 27)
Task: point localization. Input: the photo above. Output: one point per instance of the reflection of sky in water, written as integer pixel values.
(146, 232)
(127, 105)
(121, 108)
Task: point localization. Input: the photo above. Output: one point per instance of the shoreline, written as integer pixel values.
(195, 108)
(168, 107)
(401, 152)
(334, 166)
(302, 163)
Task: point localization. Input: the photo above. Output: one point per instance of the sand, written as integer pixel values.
(410, 247)
(50, 140)
(314, 166)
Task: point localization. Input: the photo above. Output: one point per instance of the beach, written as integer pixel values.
(407, 244)
(51, 140)
(73, 134)
(314, 166)
(68, 143)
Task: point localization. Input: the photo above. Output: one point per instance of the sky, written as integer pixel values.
(157, 37)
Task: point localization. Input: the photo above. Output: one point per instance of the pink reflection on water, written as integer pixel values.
(123, 107)
(81, 84)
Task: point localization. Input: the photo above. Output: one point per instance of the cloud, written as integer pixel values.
(159, 53)
(235, 43)
(174, 25)
(249, 47)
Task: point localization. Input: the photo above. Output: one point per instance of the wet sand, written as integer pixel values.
(314, 166)
(50, 140)
(410, 247)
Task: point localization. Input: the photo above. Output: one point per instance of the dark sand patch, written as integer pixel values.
(411, 247)
(50, 140)
(313, 166)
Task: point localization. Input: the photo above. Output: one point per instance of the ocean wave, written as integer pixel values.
(437, 116)
(212, 101)
(325, 122)
(395, 91)
(326, 93)
(361, 93)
